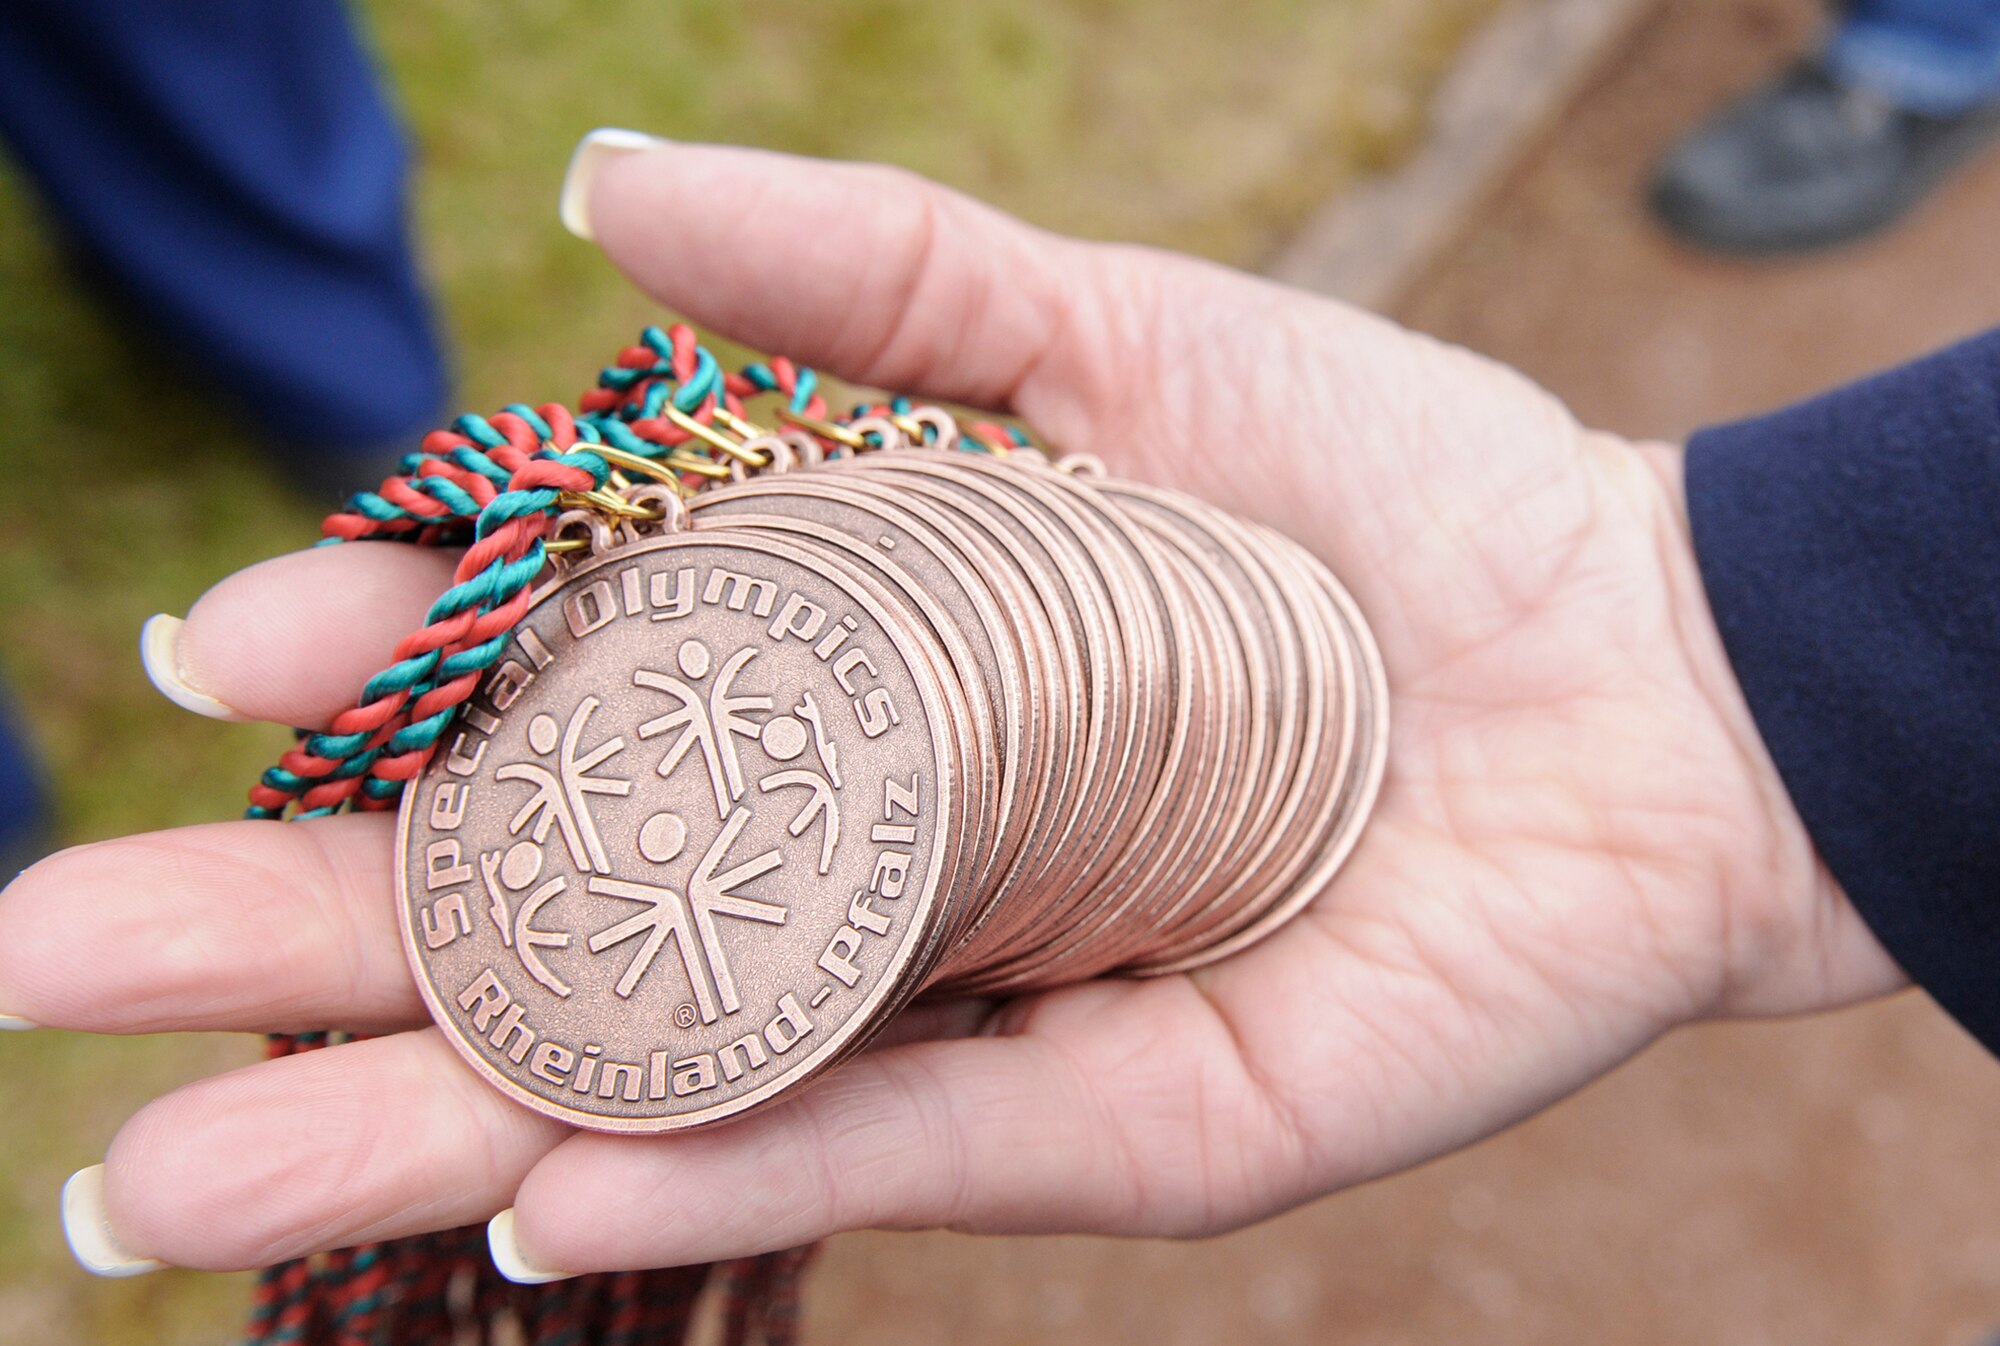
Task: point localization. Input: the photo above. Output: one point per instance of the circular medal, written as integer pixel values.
(693, 835)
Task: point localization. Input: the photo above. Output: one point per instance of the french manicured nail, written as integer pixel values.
(507, 1259)
(14, 1023)
(90, 1238)
(160, 651)
(592, 152)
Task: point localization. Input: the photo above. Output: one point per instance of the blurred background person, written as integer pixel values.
(229, 173)
(1896, 95)
(229, 176)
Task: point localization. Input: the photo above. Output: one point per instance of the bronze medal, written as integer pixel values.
(873, 528)
(1360, 783)
(1068, 579)
(689, 837)
(915, 720)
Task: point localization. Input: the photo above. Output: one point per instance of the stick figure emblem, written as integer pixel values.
(712, 721)
(689, 920)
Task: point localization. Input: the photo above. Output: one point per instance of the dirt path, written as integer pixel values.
(1831, 1181)
(1563, 276)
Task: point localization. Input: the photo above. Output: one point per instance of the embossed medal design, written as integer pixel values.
(911, 721)
(689, 838)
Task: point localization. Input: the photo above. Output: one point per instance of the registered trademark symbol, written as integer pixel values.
(685, 1016)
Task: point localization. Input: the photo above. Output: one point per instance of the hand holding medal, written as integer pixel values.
(887, 720)
(1575, 847)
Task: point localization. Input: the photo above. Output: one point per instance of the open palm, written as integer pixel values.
(1580, 844)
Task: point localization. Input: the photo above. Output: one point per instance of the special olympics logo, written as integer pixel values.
(704, 720)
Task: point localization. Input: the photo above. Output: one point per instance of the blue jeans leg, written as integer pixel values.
(1940, 57)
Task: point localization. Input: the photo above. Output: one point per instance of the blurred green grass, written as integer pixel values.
(1208, 128)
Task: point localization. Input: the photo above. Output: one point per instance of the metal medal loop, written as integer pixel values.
(648, 497)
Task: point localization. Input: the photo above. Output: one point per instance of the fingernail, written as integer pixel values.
(90, 1238)
(14, 1023)
(507, 1259)
(160, 651)
(592, 152)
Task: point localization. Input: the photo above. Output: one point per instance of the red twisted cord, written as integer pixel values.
(430, 520)
(382, 718)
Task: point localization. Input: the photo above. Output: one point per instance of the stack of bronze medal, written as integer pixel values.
(914, 720)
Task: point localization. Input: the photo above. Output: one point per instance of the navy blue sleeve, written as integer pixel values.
(1850, 546)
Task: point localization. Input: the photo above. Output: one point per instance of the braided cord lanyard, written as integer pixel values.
(496, 486)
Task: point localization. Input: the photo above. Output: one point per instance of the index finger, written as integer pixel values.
(873, 273)
(295, 638)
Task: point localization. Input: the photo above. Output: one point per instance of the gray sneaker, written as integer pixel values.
(1806, 162)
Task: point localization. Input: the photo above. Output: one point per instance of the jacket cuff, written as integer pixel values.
(1850, 546)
